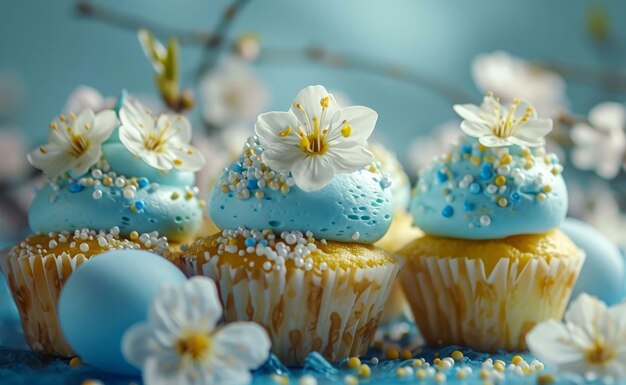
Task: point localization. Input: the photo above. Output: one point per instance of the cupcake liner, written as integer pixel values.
(335, 312)
(36, 282)
(454, 301)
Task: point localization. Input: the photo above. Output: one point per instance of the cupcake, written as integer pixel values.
(109, 186)
(492, 263)
(300, 210)
(401, 230)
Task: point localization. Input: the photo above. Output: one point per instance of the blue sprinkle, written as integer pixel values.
(465, 149)
(250, 242)
(139, 205)
(252, 184)
(263, 242)
(474, 188)
(442, 176)
(447, 211)
(76, 187)
(485, 175)
(143, 182)
(468, 206)
(515, 196)
(236, 167)
(487, 167)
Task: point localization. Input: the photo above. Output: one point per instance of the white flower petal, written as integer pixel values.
(190, 158)
(176, 126)
(135, 116)
(153, 49)
(584, 312)
(270, 124)
(537, 128)
(475, 129)
(526, 141)
(83, 120)
(226, 373)
(246, 342)
(310, 99)
(609, 116)
(618, 314)
(361, 119)
(549, 342)
(104, 124)
(348, 157)
(282, 160)
(494, 141)
(80, 165)
(470, 112)
(312, 173)
(138, 344)
(163, 372)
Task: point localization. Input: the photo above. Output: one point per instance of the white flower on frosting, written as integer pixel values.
(232, 94)
(180, 343)
(497, 126)
(512, 77)
(316, 139)
(74, 143)
(162, 142)
(591, 342)
(601, 146)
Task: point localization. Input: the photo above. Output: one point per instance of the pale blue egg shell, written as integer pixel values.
(106, 296)
(603, 272)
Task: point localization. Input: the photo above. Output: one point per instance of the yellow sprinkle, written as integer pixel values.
(461, 374)
(392, 354)
(259, 194)
(417, 363)
(516, 360)
(133, 208)
(437, 362)
(545, 379)
(174, 195)
(502, 202)
(107, 181)
(489, 159)
(547, 188)
(284, 189)
(482, 148)
(420, 374)
(281, 380)
(475, 160)
(350, 380)
(547, 160)
(225, 188)
(500, 180)
(484, 374)
(528, 164)
(134, 235)
(541, 197)
(406, 354)
(373, 167)
(202, 203)
(346, 130)
(285, 132)
(324, 101)
(178, 162)
(526, 153)
(555, 171)
(365, 371)
(354, 362)
(457, 355)
(400, 372)
(188, 195)
(499, 366)
(75, 362)
(440, 377)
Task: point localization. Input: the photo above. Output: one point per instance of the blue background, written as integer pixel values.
(54, 51)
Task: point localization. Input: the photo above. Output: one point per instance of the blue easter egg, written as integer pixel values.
(603, 272)
(106, 296)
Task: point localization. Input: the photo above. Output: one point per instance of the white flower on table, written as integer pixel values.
(316, 139)
(512, 77)
(591, 342)
(74, 143)
(181, 345)
(601, 148)
(162, 142)
(496, 125)
(232, 94)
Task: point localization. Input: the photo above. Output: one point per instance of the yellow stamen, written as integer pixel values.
(72, 116)
(598, 354)
(304, 143)
(324, 101)
(62, 118)
(43, 149)
(196, 345)
(178, 162)
(346, 130)
(285, 132)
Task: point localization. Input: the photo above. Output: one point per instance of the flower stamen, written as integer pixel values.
(195, 345)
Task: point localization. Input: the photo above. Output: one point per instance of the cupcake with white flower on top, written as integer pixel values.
(110, 185)
(299, 211)
(492, 263)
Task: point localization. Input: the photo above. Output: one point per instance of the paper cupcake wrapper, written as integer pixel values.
(36, 283)
(335, 313)
(455, 302)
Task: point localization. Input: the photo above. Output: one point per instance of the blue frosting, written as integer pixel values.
(474, 192)
(163, 202)
(352, 208)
